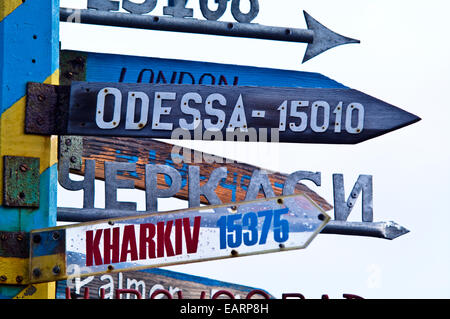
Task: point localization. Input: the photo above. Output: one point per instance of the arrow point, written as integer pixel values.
(324, 38)
(394, 230)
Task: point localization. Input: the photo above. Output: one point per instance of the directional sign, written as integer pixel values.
(232, 188)
(176, 237)
(318, 37)
(296, 115)
(100, 67)
(148, 282)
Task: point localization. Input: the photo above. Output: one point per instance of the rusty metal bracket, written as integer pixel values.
(71, 148)
(46, 110)
(21, 181)
(30, 257)
(14, 257)
(73, 67)
(47, 255)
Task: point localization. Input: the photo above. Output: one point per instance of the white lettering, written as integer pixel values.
(158, 110)
(190, 111)
(100, 112)
(130, 124)
(238, 118)
(215, 112)
(348, 118)
(109, 286)
(316, 127)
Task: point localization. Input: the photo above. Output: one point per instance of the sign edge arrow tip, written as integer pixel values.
(324, 38)
(394, 230)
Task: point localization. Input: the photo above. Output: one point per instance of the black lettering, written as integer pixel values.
(122, 74)
(161, 77)
(173, 78)
(223, 80)
(182, 74)
(213, 79)
(141, 75)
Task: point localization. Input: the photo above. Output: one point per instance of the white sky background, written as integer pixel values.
(403, 59)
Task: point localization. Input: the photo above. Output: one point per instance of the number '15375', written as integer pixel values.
(236, 229)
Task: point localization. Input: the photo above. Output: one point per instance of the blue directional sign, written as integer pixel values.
(98, 67)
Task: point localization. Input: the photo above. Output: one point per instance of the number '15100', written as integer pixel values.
(236, 229)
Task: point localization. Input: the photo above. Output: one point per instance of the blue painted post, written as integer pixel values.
(29, 51)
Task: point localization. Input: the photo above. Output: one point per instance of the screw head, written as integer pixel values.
(56, 270)
(37, 239)
(3, 278)
(40, 121)
(23, 167)
(19, 279)
(36, 272)
(68, 142)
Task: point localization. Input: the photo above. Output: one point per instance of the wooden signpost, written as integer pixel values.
(29, 51)
(127, 98)
(295, 115)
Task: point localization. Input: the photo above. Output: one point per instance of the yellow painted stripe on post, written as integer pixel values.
(40, 14)
(13, 267)
(38, 291)
(12, 128)
(8, 6)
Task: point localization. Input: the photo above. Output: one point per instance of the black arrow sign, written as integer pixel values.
(296, 115)
(318, 37)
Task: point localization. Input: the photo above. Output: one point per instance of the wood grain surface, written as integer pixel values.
(148, 151)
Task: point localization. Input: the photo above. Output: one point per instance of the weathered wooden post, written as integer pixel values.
(29, 51)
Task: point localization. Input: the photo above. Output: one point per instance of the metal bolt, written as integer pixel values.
(349, 204)
(37, 239)
(19, 237)
(4, 237)
(234, 253)
(36, 272)
(55, 235)
(3, 278)
(41, 98)
(69, 75)
(56, 270)
(354, 195)
(19, 279)
(23, 167)
(68, 142)
(73, 159)
(79, 60)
